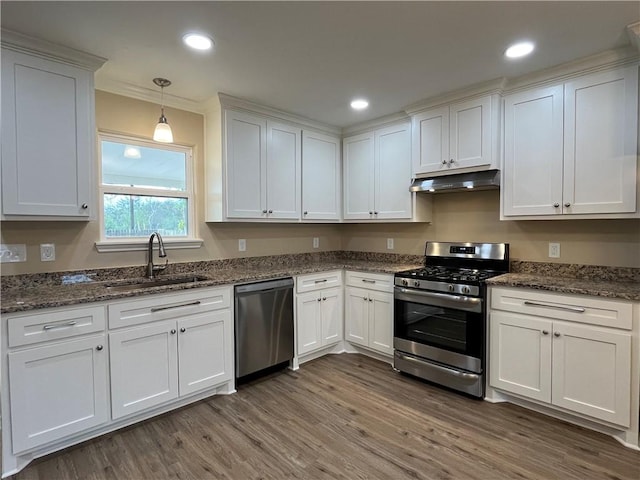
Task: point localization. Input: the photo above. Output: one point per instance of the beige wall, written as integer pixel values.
(472, 216)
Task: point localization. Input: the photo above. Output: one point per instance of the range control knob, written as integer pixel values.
(416, 283)
(451, 288)
(465, 290)
(405, 282)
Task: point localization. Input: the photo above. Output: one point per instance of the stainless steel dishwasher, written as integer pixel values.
(263, 325)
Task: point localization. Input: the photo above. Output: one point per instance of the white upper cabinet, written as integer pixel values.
(571, 149)
(283, 177)
(47, 138)
(377, 174)
(461, 135)
(321, 177)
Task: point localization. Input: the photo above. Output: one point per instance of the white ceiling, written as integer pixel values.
(311, 58)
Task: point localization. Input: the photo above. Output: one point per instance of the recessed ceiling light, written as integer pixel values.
(359, 104)
(520, 49)
(197, 41)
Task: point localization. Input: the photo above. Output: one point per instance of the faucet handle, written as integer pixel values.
(160, 268)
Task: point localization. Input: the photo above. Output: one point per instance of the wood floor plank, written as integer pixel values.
(344, 417)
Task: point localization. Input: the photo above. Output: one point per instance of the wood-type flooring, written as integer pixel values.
(344, 417)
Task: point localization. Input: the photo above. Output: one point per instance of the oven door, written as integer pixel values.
(444, 328)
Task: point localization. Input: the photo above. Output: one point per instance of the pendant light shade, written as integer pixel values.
(163, 131)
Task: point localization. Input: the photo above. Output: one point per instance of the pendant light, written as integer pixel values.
(163, 131)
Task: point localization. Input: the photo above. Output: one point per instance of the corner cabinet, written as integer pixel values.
(571, 150)
(461, 136)
(569, 352)
(47, 136)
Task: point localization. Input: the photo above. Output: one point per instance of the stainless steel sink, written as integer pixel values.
(156, 282)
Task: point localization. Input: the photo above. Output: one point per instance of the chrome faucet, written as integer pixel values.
(152, 269)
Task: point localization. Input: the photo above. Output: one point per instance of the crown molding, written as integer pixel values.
(633, 30)
(490, 87)
(22, 43)
(228, 101)
(151, 95)
(380, 122)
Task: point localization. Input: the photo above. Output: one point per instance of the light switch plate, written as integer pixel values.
(389, 243)
(242, 245)
(13, 253)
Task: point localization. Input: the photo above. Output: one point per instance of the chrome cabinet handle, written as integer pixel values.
(320, 281)
(556, 334)
(556, 205)
(85, 206)
(567, 204)
(59, 325)
(99, 348)
(173, 331)
(190, 304)
(545, 332)
(558, 307)
(368, 281)
(182, 330)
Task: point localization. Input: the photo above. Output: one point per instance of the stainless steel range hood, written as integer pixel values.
(459, 182)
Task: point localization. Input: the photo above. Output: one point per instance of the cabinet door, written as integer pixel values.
(204, 346)
(520, 355)
(245, 153)
(470, 133)
(592, 371)
(381, 322)
(57, 391)
(392, 198)
(601, 142)
(431, 141)
(309, 321)
(283, 175)
(332, 315)
(356, 316)
(532, 174)
(47, 137)
(321, 177)
(144, 367)
(358, 162)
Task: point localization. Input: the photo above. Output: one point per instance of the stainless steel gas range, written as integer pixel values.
(440, 314)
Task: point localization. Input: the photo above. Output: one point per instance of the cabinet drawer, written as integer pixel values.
(54, 325)
(162, 307)
(373, 281)
(573, 308)
(316, 281)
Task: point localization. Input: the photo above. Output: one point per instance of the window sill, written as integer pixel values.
(131, 245)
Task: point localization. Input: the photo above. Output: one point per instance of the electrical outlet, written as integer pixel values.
(13, 253)
(316, 242)
(554, 250)
(47, 252)
(242, 245)
(389, 243)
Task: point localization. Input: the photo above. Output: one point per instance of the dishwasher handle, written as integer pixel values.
(278, 284)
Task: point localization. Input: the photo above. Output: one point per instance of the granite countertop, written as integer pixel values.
(42, 291)
(609, 288)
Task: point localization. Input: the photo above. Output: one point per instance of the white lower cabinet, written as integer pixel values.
(157, 362)
(319, 311)
(57, 390)
(545, 354)
(369, 311)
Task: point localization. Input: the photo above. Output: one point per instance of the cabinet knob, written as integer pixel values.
(444, 161)
(365, 298)
(556, 334)
(264, 211)
(173, 331)
(99, 348)
(182, 330)
(270, 211)
(451, 161)
(545, 332)
(371, 299)
(375, 213)
(370, 212)
(567, 204)
(324, 298)
(556, 205)
(319, 299)
(85, 206)
(305, 212)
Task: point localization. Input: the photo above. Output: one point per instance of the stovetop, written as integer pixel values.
(445, 274)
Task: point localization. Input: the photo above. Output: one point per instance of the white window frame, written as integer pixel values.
(123, 244)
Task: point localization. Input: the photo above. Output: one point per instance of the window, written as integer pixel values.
(144, 188)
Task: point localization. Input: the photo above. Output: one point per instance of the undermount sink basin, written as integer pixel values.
(156, 282)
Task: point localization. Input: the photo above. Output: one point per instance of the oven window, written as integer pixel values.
(441, 327)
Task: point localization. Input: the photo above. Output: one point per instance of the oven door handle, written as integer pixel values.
(456, 302)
